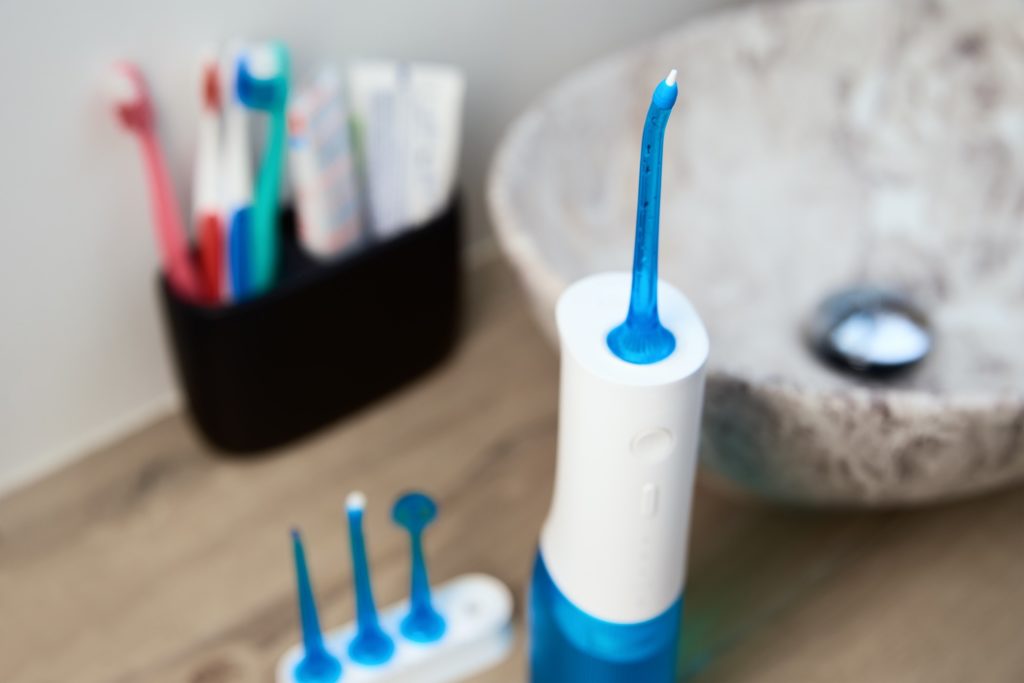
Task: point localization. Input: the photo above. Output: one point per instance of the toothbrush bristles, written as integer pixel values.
(262, 62)
(130, 99)
(211, 86)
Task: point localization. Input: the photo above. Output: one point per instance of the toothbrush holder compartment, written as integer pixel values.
(328, 339)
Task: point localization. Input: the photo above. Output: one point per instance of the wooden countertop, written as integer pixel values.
(153, 561)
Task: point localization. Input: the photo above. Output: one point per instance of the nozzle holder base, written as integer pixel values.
(478, 609)
(327, 340)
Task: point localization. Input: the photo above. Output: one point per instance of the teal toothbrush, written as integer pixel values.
(371, 646)
(317, 665)
(414, 512)
(263, 83)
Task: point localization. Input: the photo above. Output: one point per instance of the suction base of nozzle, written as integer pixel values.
(641, 344)
(318, 668)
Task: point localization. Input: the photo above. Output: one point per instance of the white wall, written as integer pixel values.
(81, 353)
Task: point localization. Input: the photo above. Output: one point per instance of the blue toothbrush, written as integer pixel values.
(371, 646)
(263, 83)
(414, 512)
(317, 665)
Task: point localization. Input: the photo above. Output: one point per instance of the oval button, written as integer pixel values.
(652, 443)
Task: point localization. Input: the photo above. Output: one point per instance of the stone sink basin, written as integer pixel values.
(814, 146)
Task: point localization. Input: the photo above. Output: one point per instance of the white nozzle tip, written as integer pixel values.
(670, 80)
(355, 501)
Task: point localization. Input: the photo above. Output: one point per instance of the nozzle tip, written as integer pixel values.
(671, 78)
(356, 501)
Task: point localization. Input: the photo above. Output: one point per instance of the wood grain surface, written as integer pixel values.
(154, 561)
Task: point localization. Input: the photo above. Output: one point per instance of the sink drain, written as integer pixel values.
(869, 331)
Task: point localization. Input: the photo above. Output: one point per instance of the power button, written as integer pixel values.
(652, 444)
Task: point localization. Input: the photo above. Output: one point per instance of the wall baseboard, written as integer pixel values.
(90, 442)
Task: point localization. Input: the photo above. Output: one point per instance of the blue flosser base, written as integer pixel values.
(567, 645)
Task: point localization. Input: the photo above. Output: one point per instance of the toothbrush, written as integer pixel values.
(134, 108)
(317, 664)
(207, 207)
(607, 589)
(371, 646)
(237, 166)
(263, 82)
(414, 512)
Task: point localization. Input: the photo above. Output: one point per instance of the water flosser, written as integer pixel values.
(607, 593)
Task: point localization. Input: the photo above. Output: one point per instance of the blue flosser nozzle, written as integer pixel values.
(414, 512)
(317, 665)
(371, 646)
(642, 339)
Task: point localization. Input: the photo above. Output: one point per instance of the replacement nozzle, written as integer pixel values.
(414, 512)
(642, 339)
(371, 646)
(317, 664)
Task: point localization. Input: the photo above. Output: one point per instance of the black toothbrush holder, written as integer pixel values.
(328, 339)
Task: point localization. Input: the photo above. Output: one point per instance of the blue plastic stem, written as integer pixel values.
(423, 624)
(317, 665)
(420, 591)
(642, 339)
(371, 645)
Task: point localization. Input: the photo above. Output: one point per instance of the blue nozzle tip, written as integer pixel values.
(665, 94)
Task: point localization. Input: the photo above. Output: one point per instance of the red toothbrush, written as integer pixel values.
(135, 110)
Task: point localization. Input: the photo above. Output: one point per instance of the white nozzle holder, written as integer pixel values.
(478, 609)
(616, 536)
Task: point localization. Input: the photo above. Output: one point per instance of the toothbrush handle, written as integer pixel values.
(173, 244)
(239, 252)
(210, 235)
(265, 242)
